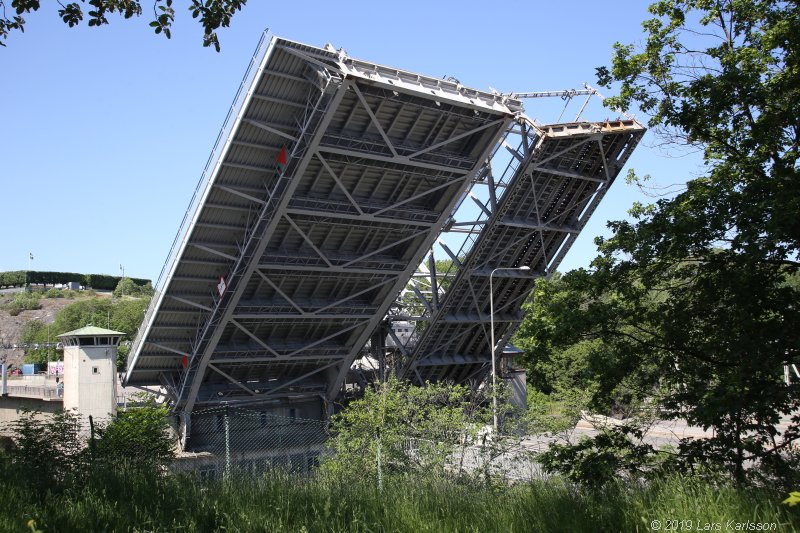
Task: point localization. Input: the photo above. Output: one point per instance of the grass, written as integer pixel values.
(128, 500)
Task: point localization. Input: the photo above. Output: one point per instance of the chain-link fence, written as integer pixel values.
(229, 440)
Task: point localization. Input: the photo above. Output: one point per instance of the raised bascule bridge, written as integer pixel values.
(332, 181)
(532, 213)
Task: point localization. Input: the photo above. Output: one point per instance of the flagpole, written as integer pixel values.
(30, 258)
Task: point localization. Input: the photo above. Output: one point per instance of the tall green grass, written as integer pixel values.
(129, 500)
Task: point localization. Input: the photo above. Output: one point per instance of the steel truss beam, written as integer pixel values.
(280, 277)
(532, 220)
(282, 206)
(215, 324)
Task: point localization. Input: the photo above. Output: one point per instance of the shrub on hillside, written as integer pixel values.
(23, 301)
(19, 278)
(129, 287)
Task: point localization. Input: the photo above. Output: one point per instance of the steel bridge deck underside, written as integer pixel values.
(556, 178)
(286, 267)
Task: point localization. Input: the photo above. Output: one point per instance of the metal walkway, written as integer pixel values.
(330, 180)
(531, 216)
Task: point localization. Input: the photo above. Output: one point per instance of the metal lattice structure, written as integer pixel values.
(529, 216)
(330, 180)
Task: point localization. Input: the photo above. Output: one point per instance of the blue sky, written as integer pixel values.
(104, 132)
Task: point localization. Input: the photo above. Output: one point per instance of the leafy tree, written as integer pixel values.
(409, 428)
(211, 14)
(123, 315)
(95, 311)
(120, 315)
(566, 358)
(139, 437)
(37, 332)
(692, 300)
(128, 287)
(723, 77)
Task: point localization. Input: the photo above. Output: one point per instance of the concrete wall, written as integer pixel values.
(11, 406)
(296, 459)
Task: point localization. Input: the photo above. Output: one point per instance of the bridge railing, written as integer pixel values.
(43, 392)
(202, 186)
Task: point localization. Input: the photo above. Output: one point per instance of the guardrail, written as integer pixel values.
(44, 393)
(199, 192)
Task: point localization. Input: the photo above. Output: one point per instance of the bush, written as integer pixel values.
(49, 452)
(23, 301)
(436, 420)
(129, 287)
(18, 278)
(138, 437)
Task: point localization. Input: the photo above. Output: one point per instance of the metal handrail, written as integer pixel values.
(236, 104)
(202, 186)
(308, 129)
(27, 391)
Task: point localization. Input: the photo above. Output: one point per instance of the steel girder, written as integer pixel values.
(331, 179)
(533, 212)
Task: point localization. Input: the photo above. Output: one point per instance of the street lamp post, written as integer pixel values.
(494, 348)
(122, 268)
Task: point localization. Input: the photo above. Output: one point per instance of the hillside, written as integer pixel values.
(11, 326)
(39, 316)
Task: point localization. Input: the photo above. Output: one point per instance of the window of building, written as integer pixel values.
(95, 370)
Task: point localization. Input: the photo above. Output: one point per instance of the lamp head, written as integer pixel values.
(524, 268)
